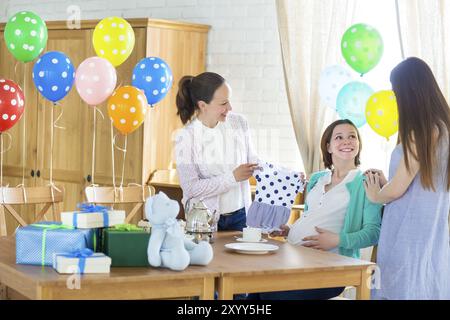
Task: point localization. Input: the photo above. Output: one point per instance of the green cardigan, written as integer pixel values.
(362, 220)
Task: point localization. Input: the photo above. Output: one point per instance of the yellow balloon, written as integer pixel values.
(113, 40)
(382, 113)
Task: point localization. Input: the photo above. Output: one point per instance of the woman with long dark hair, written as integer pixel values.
(413, 250)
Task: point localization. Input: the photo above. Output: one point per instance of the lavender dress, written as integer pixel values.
(413, 250)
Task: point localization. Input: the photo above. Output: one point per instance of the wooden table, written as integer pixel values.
(288, 268)
(36, 282)
(229, 273)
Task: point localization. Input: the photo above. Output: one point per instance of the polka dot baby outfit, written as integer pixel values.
(276, 190)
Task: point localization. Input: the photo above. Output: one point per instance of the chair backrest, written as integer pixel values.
(124, 195)
(50, 196)
(298, 207)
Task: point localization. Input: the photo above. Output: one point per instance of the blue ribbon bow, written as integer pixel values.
(91, 208)
(81, 254)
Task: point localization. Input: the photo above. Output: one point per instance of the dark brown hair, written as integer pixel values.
(422, 109)
(326, 138)
(191, 90)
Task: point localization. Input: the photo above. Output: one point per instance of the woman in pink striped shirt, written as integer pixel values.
(214, 154)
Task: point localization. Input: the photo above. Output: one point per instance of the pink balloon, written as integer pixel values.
(95, 80)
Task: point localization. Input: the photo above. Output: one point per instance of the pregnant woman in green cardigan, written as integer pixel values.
(338, 215)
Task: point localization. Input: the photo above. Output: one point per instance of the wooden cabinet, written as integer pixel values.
(181, 45)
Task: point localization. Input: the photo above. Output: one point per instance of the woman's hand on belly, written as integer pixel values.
(325, 240)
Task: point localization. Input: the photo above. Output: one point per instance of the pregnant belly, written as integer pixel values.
(306, 227)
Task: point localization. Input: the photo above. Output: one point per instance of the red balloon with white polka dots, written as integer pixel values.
(12, 104)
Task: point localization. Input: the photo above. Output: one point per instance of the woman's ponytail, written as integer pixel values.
(185, 105)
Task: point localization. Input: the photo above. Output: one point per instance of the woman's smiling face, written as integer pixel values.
(344, 143)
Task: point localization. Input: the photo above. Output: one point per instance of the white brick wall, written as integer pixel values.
(243, 46)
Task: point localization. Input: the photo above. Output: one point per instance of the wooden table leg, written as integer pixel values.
(3, 230)
(226, 285)
(3, 292)
(208, 289)
(363, 290)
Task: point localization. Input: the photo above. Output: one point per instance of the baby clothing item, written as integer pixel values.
(276, 190)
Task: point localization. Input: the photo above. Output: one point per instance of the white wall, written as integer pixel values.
(243, 46)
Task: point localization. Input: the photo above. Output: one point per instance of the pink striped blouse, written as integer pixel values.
(196, 180)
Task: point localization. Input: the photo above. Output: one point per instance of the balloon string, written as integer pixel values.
(10, 142)
(1, 160)
(51, 142)
(15, 68)
(24, 131)
(112, 162)
(1, 167)
(1, 163)
(93, 185)
(100, 112)
(93, 146)
(58, 118)
(124, 157)
(51, 184)
(124, 150)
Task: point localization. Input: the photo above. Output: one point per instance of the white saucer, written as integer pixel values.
(251, 248)
(260, 240)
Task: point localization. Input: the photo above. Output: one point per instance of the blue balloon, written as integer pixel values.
(53, 75)
(351, 102)
(154, 76)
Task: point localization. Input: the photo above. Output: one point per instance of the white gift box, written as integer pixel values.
(96, 263)
(89, 220)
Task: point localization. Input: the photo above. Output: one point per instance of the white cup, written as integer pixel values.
(251, 234)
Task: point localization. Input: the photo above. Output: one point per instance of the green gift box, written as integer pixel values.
(126, 245)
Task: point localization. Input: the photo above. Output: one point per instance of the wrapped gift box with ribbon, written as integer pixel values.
(93, 216)
(36, 243)
(81, 261)
(126, 244)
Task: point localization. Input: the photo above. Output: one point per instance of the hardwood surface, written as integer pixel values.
(36, 282)
(288, 268)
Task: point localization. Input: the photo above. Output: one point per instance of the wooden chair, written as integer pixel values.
(298, 207)
(124, 195)
(26, 196)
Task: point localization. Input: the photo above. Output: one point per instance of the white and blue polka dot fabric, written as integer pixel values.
(277, 186)
(29, 243)
(276, 190)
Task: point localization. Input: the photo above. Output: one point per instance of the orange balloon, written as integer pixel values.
(126, 108)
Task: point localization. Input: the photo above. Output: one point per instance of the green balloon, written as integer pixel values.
(362, 47)
(26, 36)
